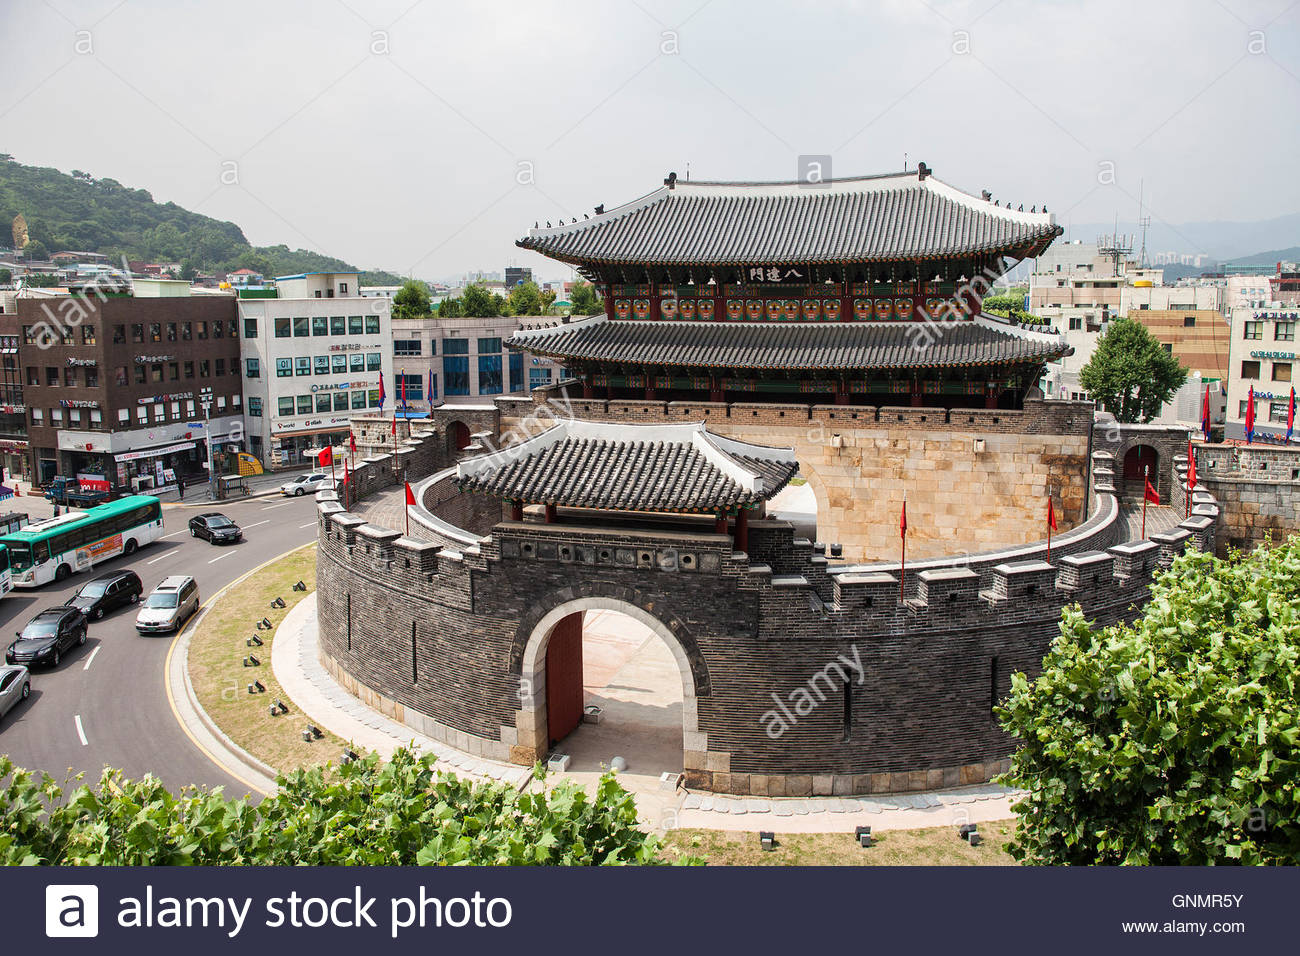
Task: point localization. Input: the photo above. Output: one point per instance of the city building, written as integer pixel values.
(113, 381)
(463, 360)
(1187, 319)
(1263, 358)
(517, 275)
(313, 350)
(13, 413)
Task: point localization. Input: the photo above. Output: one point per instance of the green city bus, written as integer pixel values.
(53, 549)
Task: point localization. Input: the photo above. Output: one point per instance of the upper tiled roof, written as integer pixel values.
(871, 219)
(678, 467)
(780, 345)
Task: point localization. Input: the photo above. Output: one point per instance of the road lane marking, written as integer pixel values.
(163, 557)
(92, 657)
(256, 523)
(309, 524)
(220, 556)
(80, 731)
(273, 507)
(175, 533)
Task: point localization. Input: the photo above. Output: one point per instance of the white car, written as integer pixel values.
(307, 484)
(14, 686)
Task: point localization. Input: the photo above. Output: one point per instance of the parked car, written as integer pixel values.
(215, 527)
(15, 685)
(70, 491)
(107, 593)
(169, 606)
(47, 636)
(305, 484)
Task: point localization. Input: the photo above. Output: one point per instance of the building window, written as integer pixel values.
(1281, 371)
(187, 332)
(174, 371)
(1284, 332)
(96, 418)
(189, 408)
(124, 416)
(283, 328)
(455, 374)
(516, 371)
(338, 364)
(359, 398)
(175, 410)
(407, 347)
(171, 331)
(156, 372)
(69, 377)
(142, 414)
(283, 368)
(38, 416)
(322, 364)
(66, 337)
(119, 376)
(234, 328)
(201, 330)
(159, 414)
(357, 362)
(356, 325)
(304, 404)
(322, 401)
(218, 329)
(139, 375)
(52, 377)
(374, 361)
(119, 335)
(87, 335)
(219, 367)
(338, 325)
(1241, 408)
(1250, 370)
(343, 288)
(537, 377)
(205, 370)
(137, 332)
(286, 404)
(56, 417)
(340, 401)
(302, 365)
(74, 417)
(250, 328)
(372, 325)
(255, 406)
(455, 346)
(320, 325)
(414, 387)
(1189, 321)
(92, 377)
(488, 346)
(373, 397)
(1253, 330)
(1277, 412)
(189, 369)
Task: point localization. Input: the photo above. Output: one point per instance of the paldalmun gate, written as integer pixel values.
(752, 333)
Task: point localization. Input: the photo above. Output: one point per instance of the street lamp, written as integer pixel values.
(205, 399)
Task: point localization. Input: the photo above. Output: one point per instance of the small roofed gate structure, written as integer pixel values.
(646, 476)
(860, 291)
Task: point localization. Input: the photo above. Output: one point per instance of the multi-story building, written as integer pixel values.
(1263, 357)
(1187, 319)
(313, 352)
(13, 414)
(113, 381)
(462, 361)
(517, 275)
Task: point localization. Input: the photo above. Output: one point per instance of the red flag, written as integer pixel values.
(1250, 416)
(902, 521)
(410, 495)
(403, 389)
(1191, 467)
(326, 456)
(394, 426)
(1150, 494)
(352, 442)
(347, 473)
(1051, 514)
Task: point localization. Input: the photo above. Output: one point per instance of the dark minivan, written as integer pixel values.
(108, 592)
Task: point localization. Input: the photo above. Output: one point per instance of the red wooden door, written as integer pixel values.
(564, 698)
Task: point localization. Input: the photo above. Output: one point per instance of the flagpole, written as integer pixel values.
(1049, 532)
(902, 559)
(1145, 481)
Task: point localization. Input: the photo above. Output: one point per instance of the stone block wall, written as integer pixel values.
(1257, 487)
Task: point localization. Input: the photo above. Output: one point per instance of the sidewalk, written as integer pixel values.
(196, 493)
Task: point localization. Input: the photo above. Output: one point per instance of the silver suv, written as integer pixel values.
(169, 606)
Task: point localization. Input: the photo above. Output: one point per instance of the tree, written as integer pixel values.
(41, 280)
(450, 309)
(6, 276)
(583, 299)
(1131, 373)
(526, 299)
(35, 249)
(189, 270)
(1174, 740)
(479, 302)
(401, 812)
(411, 300)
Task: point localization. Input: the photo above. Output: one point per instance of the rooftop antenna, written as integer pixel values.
(1143, 222)
(688, 170)
(1115, 247)
(905, 162)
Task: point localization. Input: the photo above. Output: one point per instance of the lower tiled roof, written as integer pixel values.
(794, 346)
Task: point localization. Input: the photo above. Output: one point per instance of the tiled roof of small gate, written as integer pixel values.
(677, 468)
(794, 346)
(868, 219)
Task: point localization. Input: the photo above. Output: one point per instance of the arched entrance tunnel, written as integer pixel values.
(613, 685)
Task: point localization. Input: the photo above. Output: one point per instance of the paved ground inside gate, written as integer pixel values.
(796, 504)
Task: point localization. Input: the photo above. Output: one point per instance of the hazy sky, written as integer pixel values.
(403, 134)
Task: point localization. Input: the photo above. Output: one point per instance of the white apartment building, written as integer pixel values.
(313, 351)
(1263, 357)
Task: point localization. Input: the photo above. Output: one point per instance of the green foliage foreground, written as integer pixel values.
(394, 813)
(1172, 740)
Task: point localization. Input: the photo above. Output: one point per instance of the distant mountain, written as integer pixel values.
(1220, 241)
(1272, 257)
(80, 213)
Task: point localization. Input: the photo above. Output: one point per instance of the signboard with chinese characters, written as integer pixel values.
(766, 274)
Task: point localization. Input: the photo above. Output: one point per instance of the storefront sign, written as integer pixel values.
(93, 482)
(1273, 355)
(345, 347)
(77, 403)
(283, 427)
(1285, 316)
(173, 397)
(330, 386)
(89, 363)
(153, 359)
(154, 452)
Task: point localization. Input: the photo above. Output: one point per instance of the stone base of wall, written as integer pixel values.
(844, 784)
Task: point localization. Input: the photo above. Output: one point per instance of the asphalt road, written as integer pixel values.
(106, 703)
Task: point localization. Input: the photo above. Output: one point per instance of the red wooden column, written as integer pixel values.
(742, 530)
(916, 394)
(516, 511)
(841, 392)
(588, 391)
(990, 396)
(564, 698)
(720, 525)
(715, 389)
(549, 514)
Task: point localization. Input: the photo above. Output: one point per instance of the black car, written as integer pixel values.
(107, 593)
(47, 636)
(216, 527)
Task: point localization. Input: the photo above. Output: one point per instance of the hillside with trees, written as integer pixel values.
(77, 212)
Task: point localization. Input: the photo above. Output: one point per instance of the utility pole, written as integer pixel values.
(205, 399)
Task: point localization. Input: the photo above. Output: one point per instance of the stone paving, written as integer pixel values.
(1159, 518)
(387, 509)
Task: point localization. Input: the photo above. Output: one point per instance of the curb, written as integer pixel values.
(215, 504)
(236, 761)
